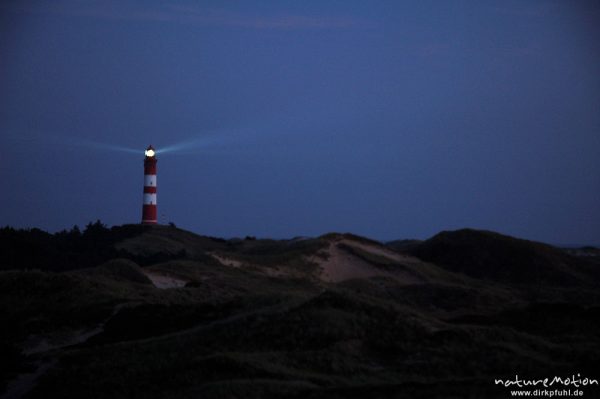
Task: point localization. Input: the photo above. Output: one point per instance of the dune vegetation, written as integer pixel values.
(158, 312)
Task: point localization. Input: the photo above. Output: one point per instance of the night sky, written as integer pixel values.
(387, 119)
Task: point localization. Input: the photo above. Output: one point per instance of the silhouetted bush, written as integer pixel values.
(65, 250)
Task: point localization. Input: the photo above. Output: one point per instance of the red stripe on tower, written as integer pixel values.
(149, 207)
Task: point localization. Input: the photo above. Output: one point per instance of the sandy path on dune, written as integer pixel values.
(163, 281)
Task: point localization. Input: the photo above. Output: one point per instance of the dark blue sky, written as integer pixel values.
(384, 118)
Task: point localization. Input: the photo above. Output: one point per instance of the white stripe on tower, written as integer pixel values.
(150, 199)
(149, 180)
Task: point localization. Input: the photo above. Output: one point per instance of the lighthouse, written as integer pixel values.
(149, 206)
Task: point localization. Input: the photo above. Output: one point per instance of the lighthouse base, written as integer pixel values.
(149, 214)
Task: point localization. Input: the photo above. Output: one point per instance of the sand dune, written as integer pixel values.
(342, 265)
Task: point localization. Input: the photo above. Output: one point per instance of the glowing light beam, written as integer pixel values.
(104, 146)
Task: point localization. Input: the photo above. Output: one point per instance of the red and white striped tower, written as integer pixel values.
(149, 207)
